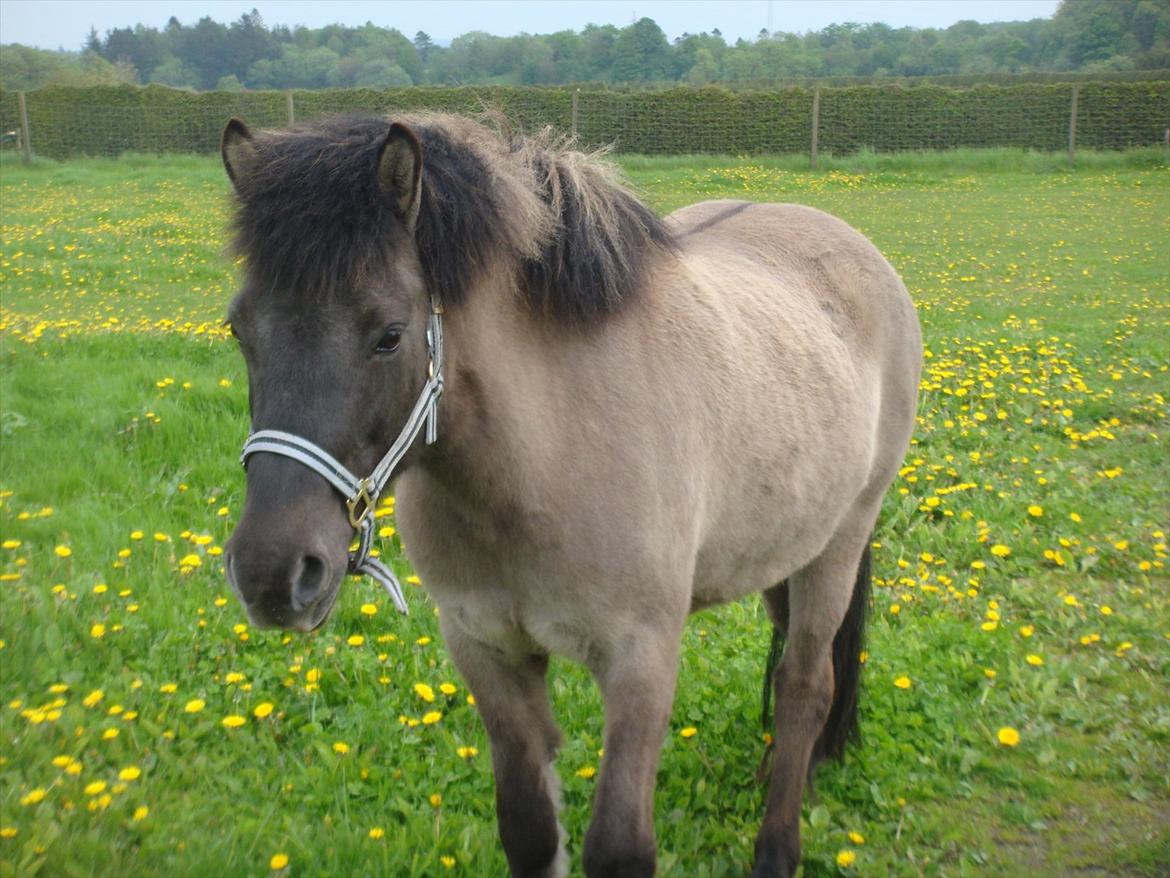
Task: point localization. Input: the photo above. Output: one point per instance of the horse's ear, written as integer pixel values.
(400, 172)
(238, 150)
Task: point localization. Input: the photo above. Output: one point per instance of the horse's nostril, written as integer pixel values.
(308, 580)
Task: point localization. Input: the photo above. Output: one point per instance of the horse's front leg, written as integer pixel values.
(637, 683)
(512, 698)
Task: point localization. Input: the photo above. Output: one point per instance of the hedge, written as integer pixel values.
(108, 120)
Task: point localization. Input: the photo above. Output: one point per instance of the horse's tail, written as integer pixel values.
(841, 726)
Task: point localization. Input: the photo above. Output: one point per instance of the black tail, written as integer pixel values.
(841, 726)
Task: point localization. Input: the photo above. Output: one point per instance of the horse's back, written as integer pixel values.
(814, 379)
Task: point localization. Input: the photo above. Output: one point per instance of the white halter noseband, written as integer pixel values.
(361, 495)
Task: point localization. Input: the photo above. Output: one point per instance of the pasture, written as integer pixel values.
(1016, 700)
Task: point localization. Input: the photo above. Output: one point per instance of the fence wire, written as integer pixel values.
(107, 121)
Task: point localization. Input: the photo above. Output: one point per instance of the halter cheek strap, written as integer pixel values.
(361, 495)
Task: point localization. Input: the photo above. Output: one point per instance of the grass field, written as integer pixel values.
(1016, 712)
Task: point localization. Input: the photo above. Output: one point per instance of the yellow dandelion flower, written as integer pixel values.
(195, 705)
(377, 832)
(233, 721)
(857, 838)
(33, 796)
(93, 698)
(97, 631)
(436, 800)
(688, 732)
(62, 551)
(586, 771)
(262, 710)
(1035, 511)
(140, 813)
(355, 640)
(369, 609)
(130, 772)
(278, 861)
(1034, 660)
(845, 858)
(1008, 736)
(447, 861)
(425, 692)
(94, 788)
(432, 717)
(1000, 550)
(447, 688)
(168, 688)
(7, 831)
(340, 747)
(902, 682)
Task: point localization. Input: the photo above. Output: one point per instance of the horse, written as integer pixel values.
(627, 418)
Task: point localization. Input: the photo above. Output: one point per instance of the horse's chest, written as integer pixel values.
(508, 589)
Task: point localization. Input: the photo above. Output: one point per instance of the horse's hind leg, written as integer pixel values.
(820, 606)
(638, 688)
(512, 698)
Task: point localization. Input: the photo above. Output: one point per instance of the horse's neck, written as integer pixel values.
(487, 403)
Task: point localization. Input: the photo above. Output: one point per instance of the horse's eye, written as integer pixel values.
(390, 341)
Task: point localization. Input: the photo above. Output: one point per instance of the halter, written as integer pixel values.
(361, 495)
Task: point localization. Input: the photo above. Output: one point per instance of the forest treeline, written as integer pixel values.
(1086, 36)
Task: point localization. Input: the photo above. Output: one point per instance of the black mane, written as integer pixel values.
(311, 219)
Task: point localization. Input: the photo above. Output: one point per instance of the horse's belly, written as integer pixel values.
(768, 530)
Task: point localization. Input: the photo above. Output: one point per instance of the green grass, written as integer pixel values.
(1044, 294)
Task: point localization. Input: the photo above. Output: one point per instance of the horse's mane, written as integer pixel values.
(311, 216)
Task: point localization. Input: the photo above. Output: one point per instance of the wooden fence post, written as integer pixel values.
(816, 124)
(576, 92)
(25, 138)
(1072, 123)
(288, 103)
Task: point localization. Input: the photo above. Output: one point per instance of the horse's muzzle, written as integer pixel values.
(293, 590)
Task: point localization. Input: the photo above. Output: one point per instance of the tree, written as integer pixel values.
(423, 45)
(641, 53)
(1093, 28)
(704, 69)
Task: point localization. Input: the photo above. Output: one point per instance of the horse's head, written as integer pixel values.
(332, 323)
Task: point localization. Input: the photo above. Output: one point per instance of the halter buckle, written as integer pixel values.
(360, 505)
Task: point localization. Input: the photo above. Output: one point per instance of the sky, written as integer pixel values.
(55, 24)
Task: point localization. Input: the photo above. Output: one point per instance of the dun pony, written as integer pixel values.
(598, 421)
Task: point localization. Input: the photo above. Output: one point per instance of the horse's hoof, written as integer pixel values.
(775, 863)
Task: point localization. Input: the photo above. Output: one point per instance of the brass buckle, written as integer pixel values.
(362, 501)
